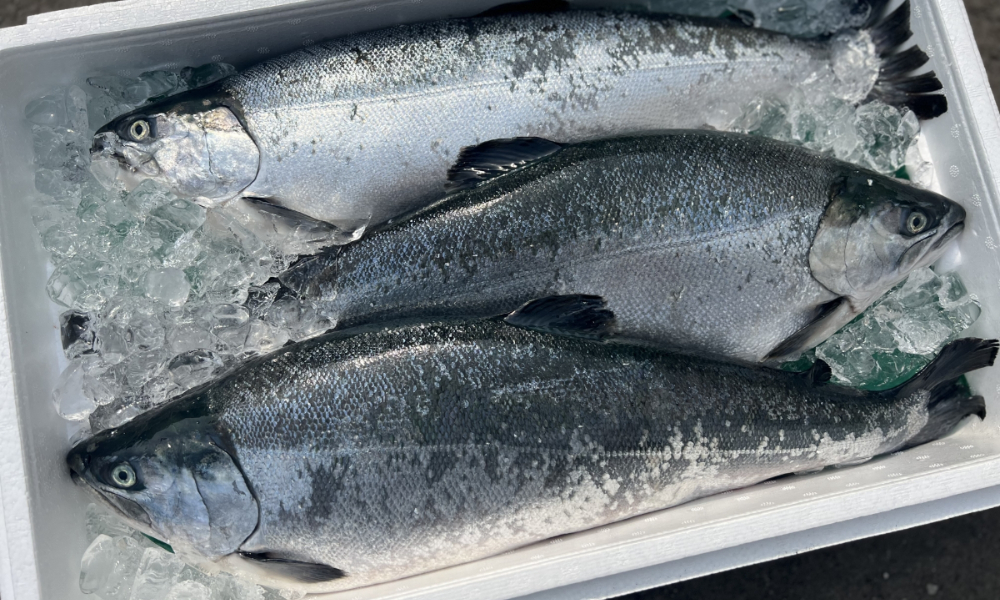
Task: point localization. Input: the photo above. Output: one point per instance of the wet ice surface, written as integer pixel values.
(901, 332)
(123, 564)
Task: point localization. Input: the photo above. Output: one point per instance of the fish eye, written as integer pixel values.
(123, 475)
(916, 222)
(139, 130)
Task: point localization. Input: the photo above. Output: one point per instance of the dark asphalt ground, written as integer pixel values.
(957, 559)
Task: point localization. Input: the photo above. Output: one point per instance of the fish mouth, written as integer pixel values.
(129, 508)
(79, 465)
(953, 232)
(927, 250)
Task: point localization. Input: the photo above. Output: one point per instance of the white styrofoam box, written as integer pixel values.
(42, 532)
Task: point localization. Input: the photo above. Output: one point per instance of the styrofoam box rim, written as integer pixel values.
(973, 485)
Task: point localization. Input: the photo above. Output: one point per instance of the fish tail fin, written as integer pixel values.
(949, 400)
(896, 84)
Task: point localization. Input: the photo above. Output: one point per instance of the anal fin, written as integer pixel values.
(296, 570)
(575, 315)
(829, 318)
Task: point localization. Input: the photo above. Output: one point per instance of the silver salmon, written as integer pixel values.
(346, 462)
(714, 243)
(364, 128)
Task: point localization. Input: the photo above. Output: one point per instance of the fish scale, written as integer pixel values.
(700, 241)
(361, 129)
(374, 100)
(375, 455)
(450, 463)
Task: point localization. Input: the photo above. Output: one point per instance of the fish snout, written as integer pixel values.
(955, 216)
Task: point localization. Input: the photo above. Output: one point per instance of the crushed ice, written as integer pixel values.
(161, 295)
(156, 288)
(123, 564)
(901, 332)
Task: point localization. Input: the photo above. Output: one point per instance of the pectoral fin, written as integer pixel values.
(829, 318)
(818, 374)
(297, 570)
(491, 159)
(575, 315)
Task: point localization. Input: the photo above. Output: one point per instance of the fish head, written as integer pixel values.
(171, 477)
(195, 143)
(875, 231)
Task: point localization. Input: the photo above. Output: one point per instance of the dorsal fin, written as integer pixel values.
(575, 315)
(491, 159)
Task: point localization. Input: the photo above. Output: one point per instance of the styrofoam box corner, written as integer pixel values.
(42, 528)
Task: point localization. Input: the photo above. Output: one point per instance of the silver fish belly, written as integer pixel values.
(364, 128)
(398, 452)
(714, 243)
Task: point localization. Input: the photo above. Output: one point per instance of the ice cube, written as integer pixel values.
(162, 83)
(127, 90)
(145, 333)
(111, 340)
(260, 298)
(71, 403)
(226, 587)
(184, 252)
(299, 319)
(901, 332)
(82, 283)
(187, 336)
(108, 567)
(54, 183)
(48, 110)
(183, 214)
(205, 74)
(140, 367)
(194, 368)
(76, 110)
(168, 285)
(158, 572)
(229, 323)
(101, 522)
(146, 197)
(62, 149)
(189, 590)
(264, 338)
